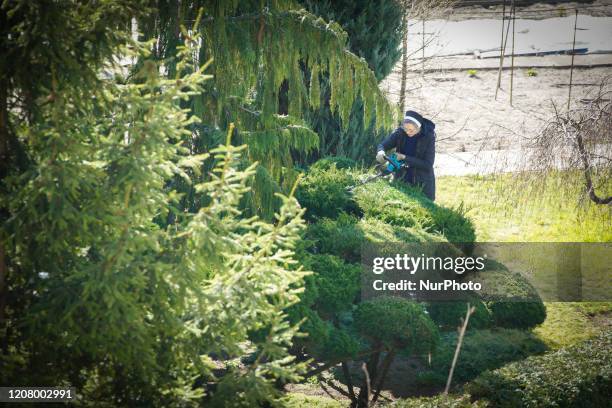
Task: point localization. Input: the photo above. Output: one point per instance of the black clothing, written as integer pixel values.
(420, 160)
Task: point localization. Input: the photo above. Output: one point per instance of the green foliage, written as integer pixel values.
(374, 31)
(266, 83)
(324, 193)
(448, 314)
(481, 350)
(394, 323)
(519, 315)
(341, 237)
(336, 283)
(296, 400)
(439, 401)
(341, 162)
(512, 300)
(345, 235)
(577, 376)
(402, 205)
(567, 324)
(104, 298)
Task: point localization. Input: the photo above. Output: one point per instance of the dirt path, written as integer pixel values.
(469, 119)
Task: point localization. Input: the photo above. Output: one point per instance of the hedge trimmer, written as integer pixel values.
(393, 166)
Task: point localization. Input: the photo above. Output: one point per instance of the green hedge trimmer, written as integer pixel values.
(393, 166)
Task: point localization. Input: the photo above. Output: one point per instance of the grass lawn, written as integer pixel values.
(556, 214)
(503, 214)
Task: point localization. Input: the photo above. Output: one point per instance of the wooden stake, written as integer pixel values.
(512, 59)
(423, 50)
(569, 93)
(404, 74)
(501, 47)
(462, 330)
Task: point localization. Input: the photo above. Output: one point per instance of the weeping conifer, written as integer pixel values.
(258, 46)
(374, 31)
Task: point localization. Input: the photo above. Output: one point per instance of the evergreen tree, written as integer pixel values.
(101, 294)
(262, 51)
(374, 31)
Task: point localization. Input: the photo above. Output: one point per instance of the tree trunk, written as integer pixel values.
(586, 168)
(372, 371)
(381, 378)
(4, 169)
(349, 383)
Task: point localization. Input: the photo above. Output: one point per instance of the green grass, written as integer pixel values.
(499, 214)
(554, 214)
(565, 324)
(297, 400)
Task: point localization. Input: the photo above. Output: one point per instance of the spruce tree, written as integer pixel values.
(101, 293)
(262, 50)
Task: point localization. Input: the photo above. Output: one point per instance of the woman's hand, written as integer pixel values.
(400, 156)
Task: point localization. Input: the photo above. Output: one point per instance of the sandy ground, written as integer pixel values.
(596, 8)
(469, 119)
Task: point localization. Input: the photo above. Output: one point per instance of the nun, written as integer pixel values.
(414, 143)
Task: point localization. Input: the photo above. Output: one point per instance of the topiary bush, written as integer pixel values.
(577, 376)
(339, 162)
(336, 282)
(341, 237)
(481, 350)
(402, 205)
(448, 314)
(324, 193)
(396, 322)
(512, 300)
(345, 235)
(517, 315)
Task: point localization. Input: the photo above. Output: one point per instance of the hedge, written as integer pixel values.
(339, 162)
(324, 193)
(577, 376)
(512, 300)
(345, 235)
(448, 314)
(396, 323)
(481, 350)
(336, 282)
(401, 205)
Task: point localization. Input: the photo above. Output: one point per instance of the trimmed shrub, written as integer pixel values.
(577, 376)
(336, 282)
(340, 162)
(482, 350)
(512, 300)
(517, 315)
(448, 314)
(341, 237)
(324, 193)
(396, 323)
(345, 235)
(402, 205)
(439, 401)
